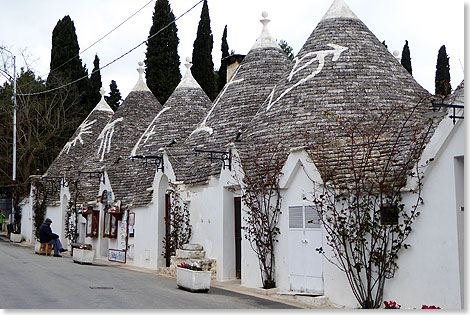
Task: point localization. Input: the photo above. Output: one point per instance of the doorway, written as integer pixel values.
(238, 237)
(305, 235)
(167, 229)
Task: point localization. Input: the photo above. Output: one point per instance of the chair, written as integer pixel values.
(45, 249)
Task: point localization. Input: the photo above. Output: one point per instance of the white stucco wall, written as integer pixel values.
(27, 221)
(430, 271)
(296, 187)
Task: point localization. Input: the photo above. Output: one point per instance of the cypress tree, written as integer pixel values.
(65, 67)
(162, 60)
(222, 79)
(442, 73)
(95, 81)
(287, 49)
(114, 99)
(406, 58)
(203, 66)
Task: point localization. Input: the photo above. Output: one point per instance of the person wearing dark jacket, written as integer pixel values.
(46, 236)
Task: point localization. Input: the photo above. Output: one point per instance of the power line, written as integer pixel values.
(96, 42)
(110, 63)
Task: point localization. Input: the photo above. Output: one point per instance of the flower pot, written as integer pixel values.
(17, 238)
(194, 281)
(83, 256)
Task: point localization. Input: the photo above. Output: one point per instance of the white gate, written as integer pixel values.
(305, 263)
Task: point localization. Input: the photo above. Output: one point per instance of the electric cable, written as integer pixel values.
(96, 42)
(116, 59)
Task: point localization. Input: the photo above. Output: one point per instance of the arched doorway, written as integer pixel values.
(161, 222)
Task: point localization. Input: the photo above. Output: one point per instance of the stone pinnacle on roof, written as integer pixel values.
(102, 104)
(188, 80)
(265, 39)
(339, 9)
(141, 85)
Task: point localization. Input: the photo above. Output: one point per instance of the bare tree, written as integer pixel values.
(262, 164)
(365, 164)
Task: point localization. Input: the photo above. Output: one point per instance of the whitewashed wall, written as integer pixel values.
(431, 271)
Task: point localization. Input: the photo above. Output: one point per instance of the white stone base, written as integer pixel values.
(17, 238)
(83, 256)
(194, 281)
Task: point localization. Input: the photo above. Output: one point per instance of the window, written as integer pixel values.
(389, 215)
(110, 225)
(92, 218)
(303, 217)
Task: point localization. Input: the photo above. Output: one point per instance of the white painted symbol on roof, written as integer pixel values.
(203, 126)
(83, 129)
(105, 136)
(149, 132)
(304, 62)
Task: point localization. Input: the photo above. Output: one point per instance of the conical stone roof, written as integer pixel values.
(183, 110)
(118, 137)
(81, 143)
(235, 105)
(342, 70)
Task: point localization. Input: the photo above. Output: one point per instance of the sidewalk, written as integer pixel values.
(290, 298)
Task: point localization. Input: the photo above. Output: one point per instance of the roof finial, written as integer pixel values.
(265, 39)
(102, 104)
(141, 85)
(265, 21)
(339, 9)
(188, 81)
(188, 64)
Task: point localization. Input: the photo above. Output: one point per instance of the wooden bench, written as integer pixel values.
(45, 249)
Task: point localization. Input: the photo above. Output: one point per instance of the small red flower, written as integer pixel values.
(431, 307)
(391, 305)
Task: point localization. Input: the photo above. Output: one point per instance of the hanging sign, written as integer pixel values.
(104, 197)
(116, 207)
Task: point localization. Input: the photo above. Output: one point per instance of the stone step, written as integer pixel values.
(192, 247)
(190, 254)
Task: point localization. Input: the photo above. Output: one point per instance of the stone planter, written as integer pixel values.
(194, 281)
(17, 238)
(83, 256)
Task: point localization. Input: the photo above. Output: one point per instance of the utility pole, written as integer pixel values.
(15, 107)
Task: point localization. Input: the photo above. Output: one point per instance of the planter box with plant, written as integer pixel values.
(192, 278)
(83, 255)
(16, 238)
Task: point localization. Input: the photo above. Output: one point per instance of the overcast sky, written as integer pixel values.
(426, 24)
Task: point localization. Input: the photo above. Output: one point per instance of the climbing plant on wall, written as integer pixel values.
(71, 215)
(364, 167)
(178, 230)
(40, 199)
(262, 196)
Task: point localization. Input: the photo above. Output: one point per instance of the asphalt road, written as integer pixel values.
(30, 281)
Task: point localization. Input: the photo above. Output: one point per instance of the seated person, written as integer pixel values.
(46, 236)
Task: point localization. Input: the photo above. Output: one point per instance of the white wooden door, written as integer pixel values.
(305, 263)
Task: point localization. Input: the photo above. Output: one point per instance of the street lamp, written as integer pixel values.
(15, 108)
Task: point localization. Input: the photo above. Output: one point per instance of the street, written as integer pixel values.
(30, 281)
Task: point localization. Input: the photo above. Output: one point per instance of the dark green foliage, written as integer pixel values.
(41, 120)
(222, 75)
(406, 58)
(66, 67)
(95, 81)
(287, 49)
(203, 67)
(442, 73)
(162, 60)
(114, 99)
